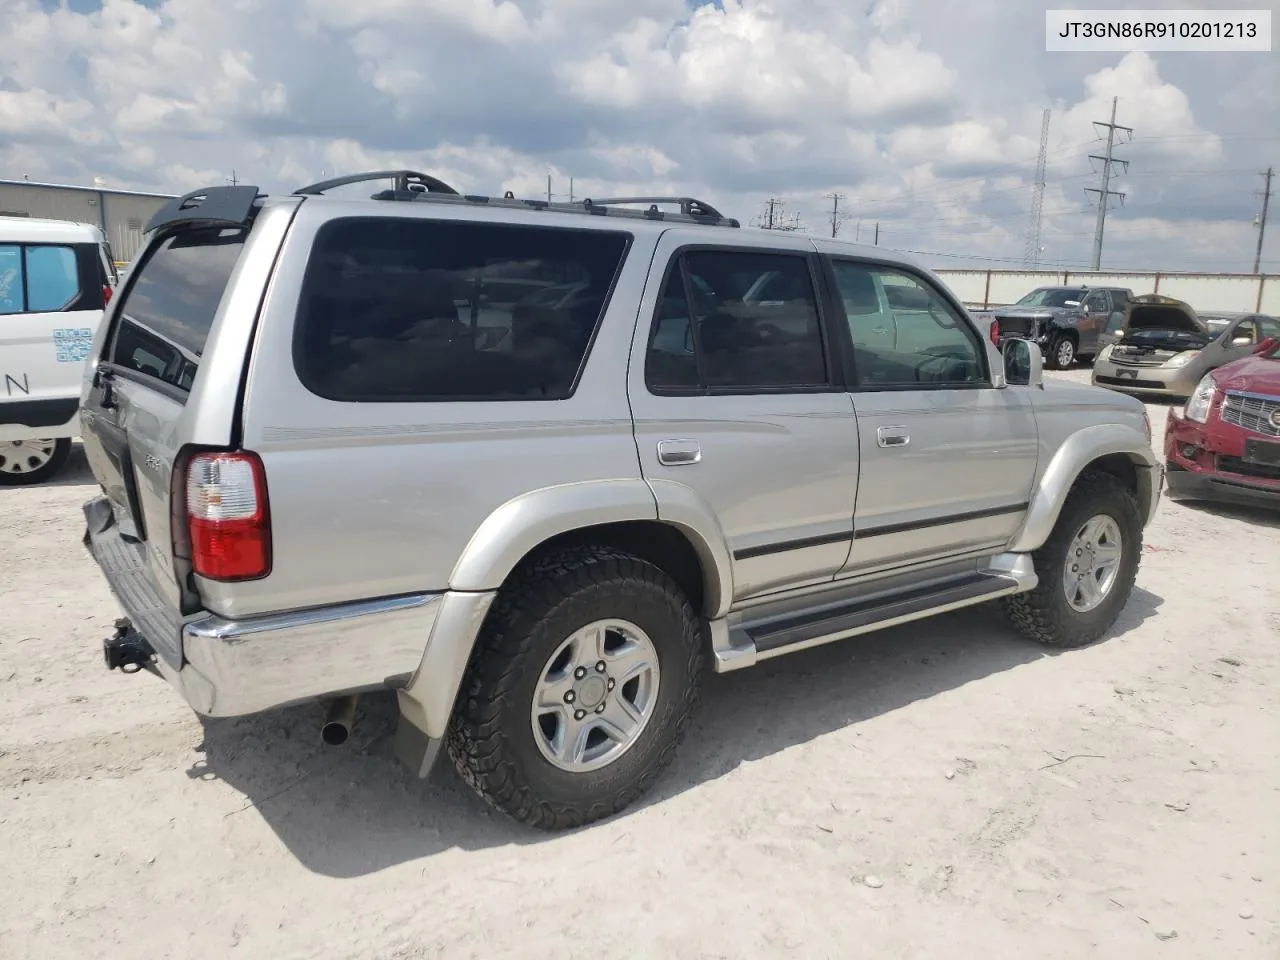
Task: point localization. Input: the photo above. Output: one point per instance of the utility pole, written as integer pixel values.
(1105, 192)
(233, 179)
(877, 240)
(1031, 252)
(548, 188)
(571, 189)
(836, 218)
(1262, 219)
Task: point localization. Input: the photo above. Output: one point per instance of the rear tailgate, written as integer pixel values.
(166, 377)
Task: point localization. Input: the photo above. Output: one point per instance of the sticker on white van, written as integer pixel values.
(72, 344)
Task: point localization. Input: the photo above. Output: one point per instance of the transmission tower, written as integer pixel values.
(1105, 192)
(1031, 253)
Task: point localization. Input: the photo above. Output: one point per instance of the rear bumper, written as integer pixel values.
(226, 668)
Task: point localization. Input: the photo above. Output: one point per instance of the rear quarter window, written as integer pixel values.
(401, 310)
(170, 302)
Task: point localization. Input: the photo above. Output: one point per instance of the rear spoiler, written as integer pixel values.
(211, 206)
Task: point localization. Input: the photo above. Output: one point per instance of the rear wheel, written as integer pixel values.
(28, 462)
(1062, 352)
(1087, 567)
(585, 678)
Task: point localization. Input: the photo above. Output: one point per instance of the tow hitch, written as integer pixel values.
(127, 649)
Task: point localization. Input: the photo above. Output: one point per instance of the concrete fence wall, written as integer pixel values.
(1244, 292)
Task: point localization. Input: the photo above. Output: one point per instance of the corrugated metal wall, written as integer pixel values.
(121, 215)
(1242, 292)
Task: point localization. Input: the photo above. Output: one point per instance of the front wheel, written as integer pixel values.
(1087, 567)
(1062, 353)
(586, 676)
(28, 462)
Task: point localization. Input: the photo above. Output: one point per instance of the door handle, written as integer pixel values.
(892, 436)
(678, 453)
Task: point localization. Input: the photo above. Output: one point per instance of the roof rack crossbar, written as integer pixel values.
(211, 206)
(406, 181)
(689, 206)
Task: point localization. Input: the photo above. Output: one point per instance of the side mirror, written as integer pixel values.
(1023, 363)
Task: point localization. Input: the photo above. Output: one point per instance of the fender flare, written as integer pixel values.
(1070, 460)
(508, 535)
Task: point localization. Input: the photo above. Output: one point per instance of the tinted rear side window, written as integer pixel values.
(422, 310)
(169, 306)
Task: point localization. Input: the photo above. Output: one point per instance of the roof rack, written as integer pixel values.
(407, 184)
(689, 206)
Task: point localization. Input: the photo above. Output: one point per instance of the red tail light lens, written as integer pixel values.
(995, 332)
(227, 517)
(106, 293)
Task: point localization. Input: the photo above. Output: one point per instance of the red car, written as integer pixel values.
(1225, 443)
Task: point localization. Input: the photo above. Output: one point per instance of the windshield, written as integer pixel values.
(1050, 297)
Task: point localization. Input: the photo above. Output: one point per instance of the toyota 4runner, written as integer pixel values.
(537, 467)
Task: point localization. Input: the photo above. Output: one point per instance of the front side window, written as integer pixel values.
(53, 281)
(904, 333)
(398, 309)
(736, 322)
(1096, 301)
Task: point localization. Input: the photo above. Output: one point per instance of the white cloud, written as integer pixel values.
(924, 114)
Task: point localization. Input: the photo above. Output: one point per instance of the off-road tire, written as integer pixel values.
(61, 451)
(490, 738)
(1052, 362)
(1043, 614)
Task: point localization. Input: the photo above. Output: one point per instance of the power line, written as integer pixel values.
(1105, 191)
(1031, 252)
(1262, 218)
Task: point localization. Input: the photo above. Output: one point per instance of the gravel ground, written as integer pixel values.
(942, 790)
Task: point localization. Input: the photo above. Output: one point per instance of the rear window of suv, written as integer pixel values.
(408, 310)
(168, 308)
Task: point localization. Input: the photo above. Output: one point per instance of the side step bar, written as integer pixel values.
(762, 638)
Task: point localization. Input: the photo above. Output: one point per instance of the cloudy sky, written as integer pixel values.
(924, 114)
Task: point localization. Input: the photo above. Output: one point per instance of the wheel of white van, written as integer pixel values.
(28, 462)
(1086, 568)
(1062, 353)
(586, 675)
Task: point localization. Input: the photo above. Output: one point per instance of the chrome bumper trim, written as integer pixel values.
(238, 667)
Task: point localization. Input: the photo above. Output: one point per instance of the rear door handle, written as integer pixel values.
(892, 436)
(678, 453)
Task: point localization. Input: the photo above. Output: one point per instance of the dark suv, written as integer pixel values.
(1064, 321)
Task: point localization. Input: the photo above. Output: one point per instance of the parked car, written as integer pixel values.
(55, 278)
(1225, 443)
(1165, 349)
(1066, 322)
(541, 541)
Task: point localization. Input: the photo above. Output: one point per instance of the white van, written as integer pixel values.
(55, 278)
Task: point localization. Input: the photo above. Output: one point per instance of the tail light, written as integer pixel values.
(995, 332)
(106, 293)
(227, 517)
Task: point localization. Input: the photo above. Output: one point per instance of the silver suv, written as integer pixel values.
(535, 466)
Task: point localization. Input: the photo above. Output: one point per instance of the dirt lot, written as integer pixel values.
(944, 790)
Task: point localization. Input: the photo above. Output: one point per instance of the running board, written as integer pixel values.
(763, 638)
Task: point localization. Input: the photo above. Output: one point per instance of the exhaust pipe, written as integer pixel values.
(338, 724)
